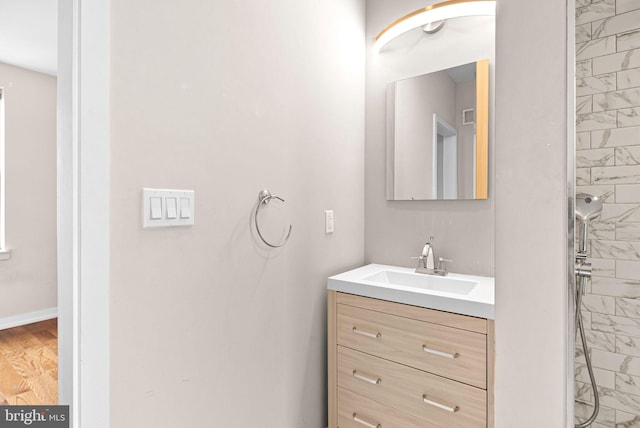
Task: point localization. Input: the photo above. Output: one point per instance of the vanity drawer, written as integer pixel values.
(356, 411)
(439, 401)
(446, 351)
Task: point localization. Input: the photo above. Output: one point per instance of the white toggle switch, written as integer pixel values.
(185, 208)
(156, 208)
(172, 207)
(328, 221)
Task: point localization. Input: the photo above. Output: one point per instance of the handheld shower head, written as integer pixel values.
(588, 207)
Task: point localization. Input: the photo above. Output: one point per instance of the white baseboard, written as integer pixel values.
(28, 318)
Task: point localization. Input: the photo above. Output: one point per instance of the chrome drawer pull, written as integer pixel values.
(440, 405)
(370, 380)
(366, 333)
(365, 423)
(440, 353)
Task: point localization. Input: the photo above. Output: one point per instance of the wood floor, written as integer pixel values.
(29, 364)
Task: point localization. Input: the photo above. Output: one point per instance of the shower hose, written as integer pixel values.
(582, 283)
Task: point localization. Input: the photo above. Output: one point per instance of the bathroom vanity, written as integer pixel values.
(399, 363)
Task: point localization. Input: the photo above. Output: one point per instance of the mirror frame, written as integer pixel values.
(482, 129)
(482, 136)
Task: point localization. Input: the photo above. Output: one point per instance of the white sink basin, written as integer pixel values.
(462, 294)
(424, 282)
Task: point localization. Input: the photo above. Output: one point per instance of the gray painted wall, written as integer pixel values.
(228, 98)
(465, 98)
(195, 308)
(416, 101)
(530, 146)
(397, 230)
(531, 215)
(29, 277)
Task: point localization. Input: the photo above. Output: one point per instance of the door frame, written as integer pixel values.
(83, 210)
(450, 147)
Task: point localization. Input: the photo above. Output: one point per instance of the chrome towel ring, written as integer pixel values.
(264, 197)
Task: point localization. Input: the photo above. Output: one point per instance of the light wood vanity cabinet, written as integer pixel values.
(399, 366)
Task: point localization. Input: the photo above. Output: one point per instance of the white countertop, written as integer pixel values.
(479, 302)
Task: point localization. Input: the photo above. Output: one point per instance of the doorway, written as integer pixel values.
(83, 205)
(28, 262)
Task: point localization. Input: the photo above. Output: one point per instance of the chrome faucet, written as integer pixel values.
(426, 264)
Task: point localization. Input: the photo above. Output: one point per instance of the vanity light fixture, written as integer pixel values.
(434, 14)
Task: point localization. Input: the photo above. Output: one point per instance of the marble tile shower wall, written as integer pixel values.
(608, 164)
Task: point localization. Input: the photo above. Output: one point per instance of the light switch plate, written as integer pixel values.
(328, 222)
(176, 208)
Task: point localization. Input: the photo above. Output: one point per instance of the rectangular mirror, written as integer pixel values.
(438, 135)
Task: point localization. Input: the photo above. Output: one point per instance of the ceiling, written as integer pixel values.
(29, 34)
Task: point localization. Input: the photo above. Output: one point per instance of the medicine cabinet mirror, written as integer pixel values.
(437, 134)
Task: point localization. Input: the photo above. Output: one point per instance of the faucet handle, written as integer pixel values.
(441, 264)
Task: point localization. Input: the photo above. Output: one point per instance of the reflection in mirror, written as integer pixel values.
(437, 134)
